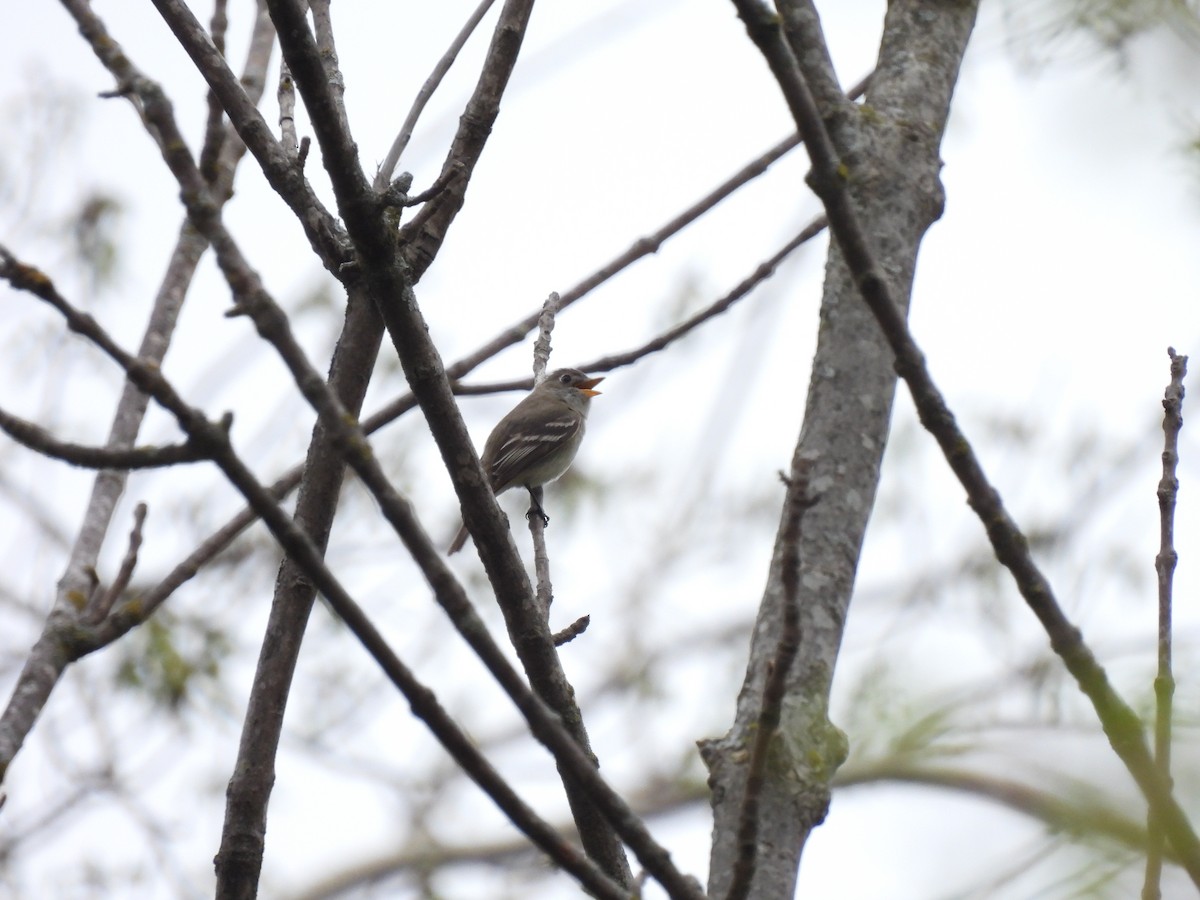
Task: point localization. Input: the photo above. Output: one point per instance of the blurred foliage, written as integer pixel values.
(43, 124)
(167, 657)
(1111, 26)
(1152, 42)
(94, 229)
(1114, 23)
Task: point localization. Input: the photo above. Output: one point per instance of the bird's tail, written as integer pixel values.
(459, 540)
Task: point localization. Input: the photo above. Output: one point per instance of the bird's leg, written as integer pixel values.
(535, 505)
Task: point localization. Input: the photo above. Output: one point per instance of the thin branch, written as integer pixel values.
(281, 168)
(88, 456)
(388, 273)
(215, 133)
(802, 27)
(272, 324)
(546, 725)
(536, 518)
(1120, 722)
(301, 548)
(544, 591)
(286, 97)
(222, 538)
(101, 606)
(1164, 567)
(56, 647)
(760, 274)
(541, 347)
(1072, 813)
(137, 610)
(323, 100)
(572, 631)
(388, 166)
(335, 82)
(440, 184)
(799, 500)
(642, 247)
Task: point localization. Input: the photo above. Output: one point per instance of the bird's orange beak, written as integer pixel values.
(585, 387)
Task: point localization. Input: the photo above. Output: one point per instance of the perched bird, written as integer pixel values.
(536, 442)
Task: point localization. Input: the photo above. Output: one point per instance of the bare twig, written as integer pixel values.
(388, 274)
(283, 170)
(541, 556)
(1164, 567)
(60, 641)
(301, 548)
(130, 614)
(287, 482)
(440, 184)
(541, 347)
(84, 455)
(761, 273)
(774, 688)
(572, 631)
(335, 82)
(536, 518)
(215, 134)
(101, 606)
(286, 97)
(1120, 722)
(388, 166)
(642, 247)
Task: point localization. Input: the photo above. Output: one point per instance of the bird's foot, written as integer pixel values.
(535, 506)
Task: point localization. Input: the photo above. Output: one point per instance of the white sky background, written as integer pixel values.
(1064, 266)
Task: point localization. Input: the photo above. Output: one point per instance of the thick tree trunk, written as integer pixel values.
(889, 147)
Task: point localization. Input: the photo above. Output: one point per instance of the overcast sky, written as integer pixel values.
(1065, 264)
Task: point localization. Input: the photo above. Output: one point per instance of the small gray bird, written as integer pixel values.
(536, 442)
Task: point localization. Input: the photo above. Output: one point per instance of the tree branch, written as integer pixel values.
(1164, 568)
(55, 648)
(301, 548)
(537, 523)
(100, 607)
(86, 456)
(227, 533)
(892, 148)
(1119, 721)
(388, 166)
(574, 761)
(775, 686)
(390, 280)
(282, 172)
(761, 273)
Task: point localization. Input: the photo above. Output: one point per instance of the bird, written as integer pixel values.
(537, 441)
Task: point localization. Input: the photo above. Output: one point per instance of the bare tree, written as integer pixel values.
(875, 154)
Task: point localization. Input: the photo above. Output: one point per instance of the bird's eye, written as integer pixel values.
(565, 378)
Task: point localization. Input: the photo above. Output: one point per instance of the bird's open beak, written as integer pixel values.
(585, 387)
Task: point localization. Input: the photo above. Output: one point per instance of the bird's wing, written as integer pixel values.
(528, 447)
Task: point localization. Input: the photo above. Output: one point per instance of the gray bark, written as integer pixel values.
(890, 149)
